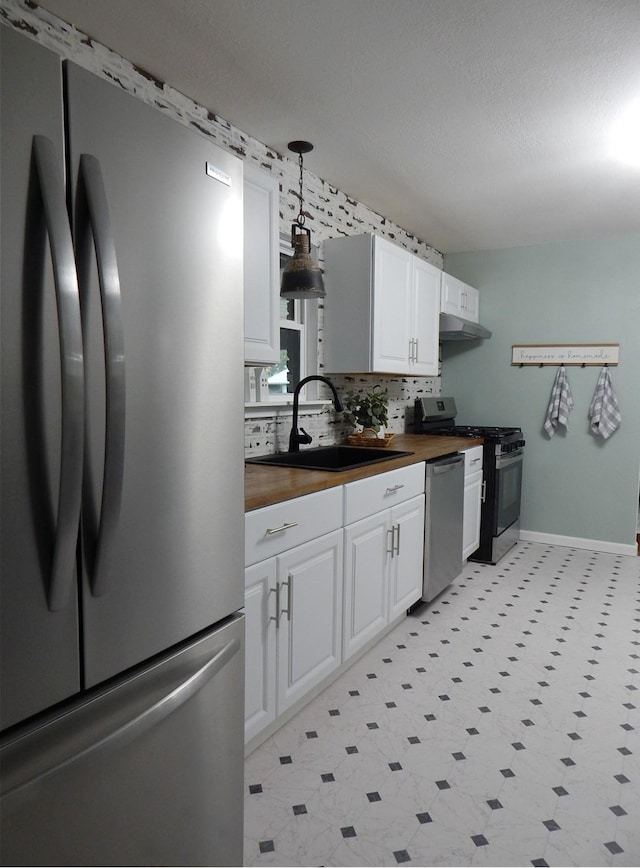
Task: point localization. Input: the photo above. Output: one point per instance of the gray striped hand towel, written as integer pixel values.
(560, 404)
(603, 410)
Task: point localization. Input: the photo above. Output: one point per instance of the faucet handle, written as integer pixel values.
(304, 437)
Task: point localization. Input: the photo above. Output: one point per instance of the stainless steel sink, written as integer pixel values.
(330, 457)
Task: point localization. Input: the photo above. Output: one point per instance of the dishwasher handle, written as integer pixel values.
(445, 465)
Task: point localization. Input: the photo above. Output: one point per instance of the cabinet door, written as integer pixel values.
(406, 564)
(310, 631)
(261, 268)
(450, 295)
(472, 505)
(426, 305)
(472, 303)
(392, 307)
(366, 555)
(459, 298)
(260, 647)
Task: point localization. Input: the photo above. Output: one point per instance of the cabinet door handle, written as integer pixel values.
(483, 495)
(395, 540)
(282, 528)
(415, 350)
(395, 488)
(276, 617)
(390, 544)
(289, 586)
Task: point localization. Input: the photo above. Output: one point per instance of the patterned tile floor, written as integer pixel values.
(500, 725)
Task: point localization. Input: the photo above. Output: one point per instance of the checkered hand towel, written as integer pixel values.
(603, 410)
(560, 405)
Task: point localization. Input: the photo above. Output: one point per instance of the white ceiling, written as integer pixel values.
(473, 124)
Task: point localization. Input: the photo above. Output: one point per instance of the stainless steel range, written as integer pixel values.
(503, 454)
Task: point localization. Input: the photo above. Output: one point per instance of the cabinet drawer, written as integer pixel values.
(274, 529)
(472, 460)
(368, 496)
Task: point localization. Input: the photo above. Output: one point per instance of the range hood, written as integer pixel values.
(454, 328)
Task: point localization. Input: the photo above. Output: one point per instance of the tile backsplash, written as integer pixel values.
(266, 434)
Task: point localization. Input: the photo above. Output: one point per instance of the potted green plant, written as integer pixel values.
(369, 410)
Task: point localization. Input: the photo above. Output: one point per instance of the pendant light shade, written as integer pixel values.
(301, 277)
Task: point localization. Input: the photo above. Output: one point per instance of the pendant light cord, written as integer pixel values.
(300, 220)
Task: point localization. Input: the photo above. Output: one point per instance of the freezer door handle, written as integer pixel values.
(16, 777)
(98, 220)
(72, 368)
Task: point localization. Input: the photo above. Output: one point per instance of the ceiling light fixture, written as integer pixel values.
(301, 277)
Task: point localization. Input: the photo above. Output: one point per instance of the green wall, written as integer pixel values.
(567, 292)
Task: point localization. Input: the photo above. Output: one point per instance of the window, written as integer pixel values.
(298, 336)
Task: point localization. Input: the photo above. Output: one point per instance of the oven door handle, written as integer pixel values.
(510, 458)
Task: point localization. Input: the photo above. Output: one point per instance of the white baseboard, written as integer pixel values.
(576, 542)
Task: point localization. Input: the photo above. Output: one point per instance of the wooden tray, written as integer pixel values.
(369, 437)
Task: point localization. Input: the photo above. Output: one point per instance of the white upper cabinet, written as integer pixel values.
(459, 298)
(261, 268)
(426, 283)
(390, 282)
(381, 309)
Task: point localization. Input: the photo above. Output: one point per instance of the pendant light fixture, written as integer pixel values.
(301, 277)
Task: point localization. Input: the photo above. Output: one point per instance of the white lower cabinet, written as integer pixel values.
(326, 574)
(383, 571)
(383, 552)
(293, 602)
(260, 647)
(473, 489)
(406, 566)
(366, 586)
(293, 626)
(309, 644)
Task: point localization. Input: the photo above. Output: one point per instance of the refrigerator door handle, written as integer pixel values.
(72, 371)
(111, 302)
(15, 779)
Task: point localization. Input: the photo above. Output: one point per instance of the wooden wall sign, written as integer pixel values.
(565, 354)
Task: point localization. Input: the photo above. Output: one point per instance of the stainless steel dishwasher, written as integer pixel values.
(444, 490)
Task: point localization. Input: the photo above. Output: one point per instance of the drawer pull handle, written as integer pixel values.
(282, 528)
(395, 488)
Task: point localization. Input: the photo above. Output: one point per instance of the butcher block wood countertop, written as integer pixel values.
(264, 484)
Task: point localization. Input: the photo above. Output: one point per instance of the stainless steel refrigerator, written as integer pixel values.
(122, 477)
